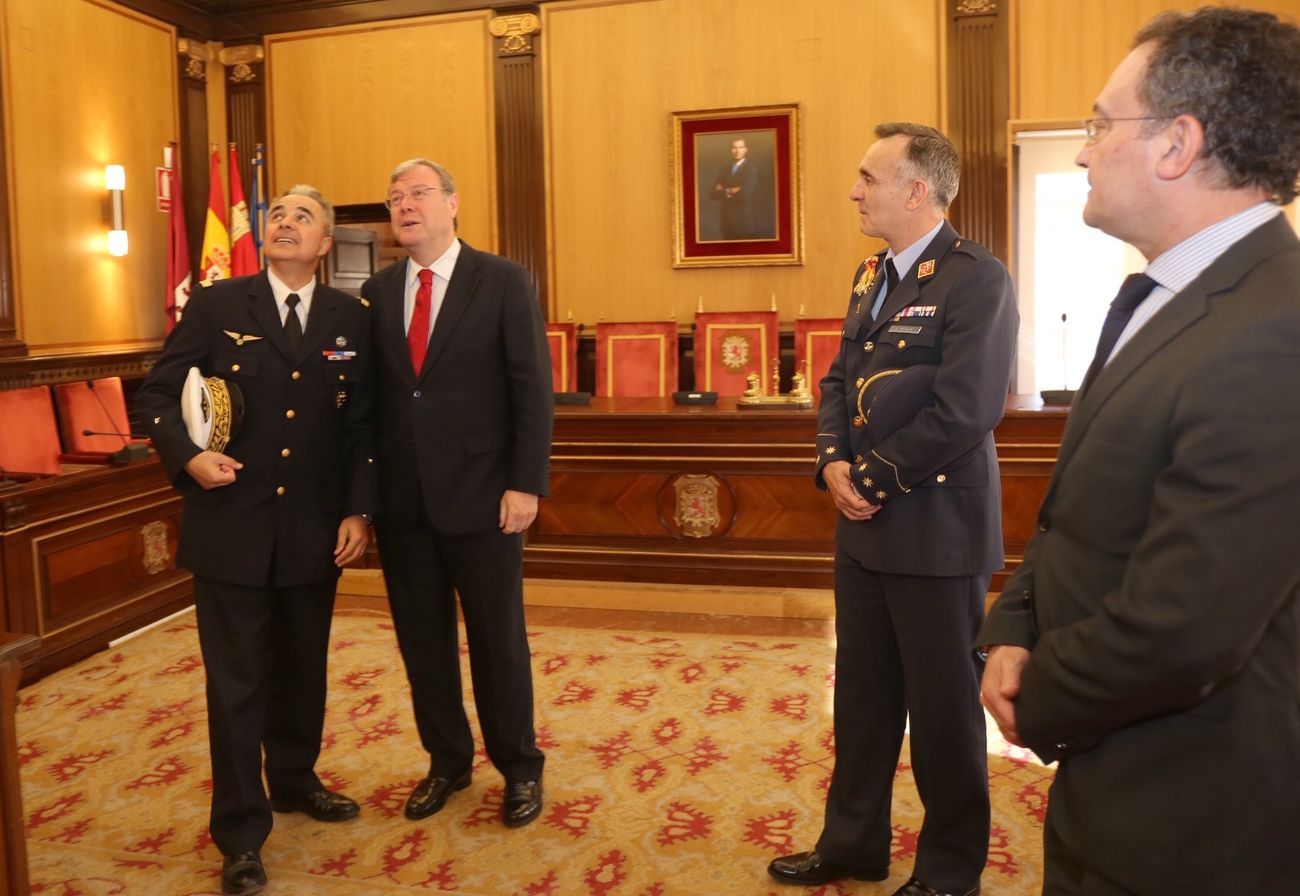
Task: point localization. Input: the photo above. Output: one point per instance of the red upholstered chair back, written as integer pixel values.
(102, 409)
(29, 435)
(816, 340)
(637, 360)
(562, 338)
(730, 345)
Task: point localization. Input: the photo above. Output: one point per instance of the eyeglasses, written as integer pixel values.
(1096, 128)
(419, 194)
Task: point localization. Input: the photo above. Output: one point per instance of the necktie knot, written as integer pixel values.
(426, 277)
(1135, 288)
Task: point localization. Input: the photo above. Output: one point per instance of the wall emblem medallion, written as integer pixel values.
(696, 513)
(735, 352)
(157, 556)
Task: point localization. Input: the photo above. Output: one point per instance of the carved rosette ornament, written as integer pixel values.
(513, 33)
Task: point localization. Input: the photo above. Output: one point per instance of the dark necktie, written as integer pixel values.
(891, 283)
(1134, 289)
(292, 326)
(417, 335)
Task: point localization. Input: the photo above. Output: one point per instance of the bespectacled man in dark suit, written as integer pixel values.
(269, 521)
(464, 414)
(1150, 641)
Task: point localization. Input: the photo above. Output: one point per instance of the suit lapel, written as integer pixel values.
(1187, 307)
(324, 311)
(460, 292)
(387, 305)
(909, 287)
(262, 307)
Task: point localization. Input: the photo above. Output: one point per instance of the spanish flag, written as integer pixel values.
(243, 252)
(216, 238)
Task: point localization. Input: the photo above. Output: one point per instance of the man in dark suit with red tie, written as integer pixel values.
(464, 416)
(269, 520)
(905, 447)
(1150, 640)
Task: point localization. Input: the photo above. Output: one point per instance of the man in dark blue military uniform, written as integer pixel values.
(927, 347)
(270, 520)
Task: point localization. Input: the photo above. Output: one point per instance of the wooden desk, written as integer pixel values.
(643, 490)
(86, 557)
(13, 834)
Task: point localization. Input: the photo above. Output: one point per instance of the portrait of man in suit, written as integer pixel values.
(270, 520)
(905, 448)
(736, 193)
(464, 412)
(1150, 641)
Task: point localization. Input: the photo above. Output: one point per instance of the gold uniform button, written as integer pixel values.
(285, 452)
(941, 478)
(296, 375)
(902, 343)
(869, 347)
(861, 380)
(234, 368)
(858, 421)
(280, 490)
(290, 414)
(957, 245)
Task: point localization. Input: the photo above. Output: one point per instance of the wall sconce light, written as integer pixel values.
(115, 182)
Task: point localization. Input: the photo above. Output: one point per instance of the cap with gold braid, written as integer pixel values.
(212, 409)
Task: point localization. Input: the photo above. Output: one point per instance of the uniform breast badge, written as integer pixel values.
(868, 277)
(241, 338)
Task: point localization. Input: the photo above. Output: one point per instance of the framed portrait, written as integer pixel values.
(737, 187)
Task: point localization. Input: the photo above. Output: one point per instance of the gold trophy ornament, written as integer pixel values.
(799, 396)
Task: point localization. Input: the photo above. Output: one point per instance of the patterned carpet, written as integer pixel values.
(677, 765)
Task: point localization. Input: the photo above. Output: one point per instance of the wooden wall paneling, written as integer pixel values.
(89, 83)
(418, 87)
(521, 194)
(89, 556)
(614, 72)
(979, 91)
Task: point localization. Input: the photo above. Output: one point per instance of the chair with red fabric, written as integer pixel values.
(29, 436)
(816, 340)
(98, 406)
(563, 341)
(730, 345)
(637, 360)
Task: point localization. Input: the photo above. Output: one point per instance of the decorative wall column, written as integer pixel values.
(10, 344)
(245, 105)
(193, 93)
(979, 91)
(521, 193)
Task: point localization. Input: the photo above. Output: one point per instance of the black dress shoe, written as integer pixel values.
(431, 794)
(522, 803)
(915, 887)
(242, 874)
(322, 805)
(814, 868)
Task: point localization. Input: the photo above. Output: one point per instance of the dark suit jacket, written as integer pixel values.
(937, 475)
(1159, 597)
(737, 221)
(231, 534)
(477, 419)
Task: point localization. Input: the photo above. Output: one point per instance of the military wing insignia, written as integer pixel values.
(241, 338)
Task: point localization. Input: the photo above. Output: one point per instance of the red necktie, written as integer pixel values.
(417, 336)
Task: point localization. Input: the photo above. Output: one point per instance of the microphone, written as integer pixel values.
(127, 452)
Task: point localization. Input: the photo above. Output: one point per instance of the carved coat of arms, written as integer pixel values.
(696, 506)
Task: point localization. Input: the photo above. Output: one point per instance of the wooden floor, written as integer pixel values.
(642, 620)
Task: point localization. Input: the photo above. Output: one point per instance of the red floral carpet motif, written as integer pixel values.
(676, 765)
